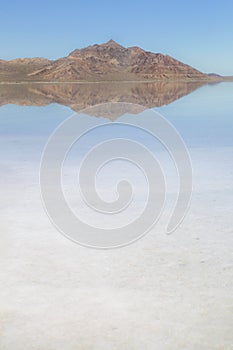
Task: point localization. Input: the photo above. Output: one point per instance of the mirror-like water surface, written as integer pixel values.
(160, 278)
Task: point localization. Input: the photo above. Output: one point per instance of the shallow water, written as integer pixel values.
(163, 291)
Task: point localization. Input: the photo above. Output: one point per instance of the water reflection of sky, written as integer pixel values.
(203, 118)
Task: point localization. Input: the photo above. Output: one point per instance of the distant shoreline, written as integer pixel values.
(211, 80)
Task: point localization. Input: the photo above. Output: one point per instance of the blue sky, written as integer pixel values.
(199, 33)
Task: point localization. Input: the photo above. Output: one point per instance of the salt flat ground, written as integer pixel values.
(162, 292)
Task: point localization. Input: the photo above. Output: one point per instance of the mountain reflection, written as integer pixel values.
(81, 96)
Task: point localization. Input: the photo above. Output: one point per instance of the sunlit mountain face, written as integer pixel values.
(105, 62)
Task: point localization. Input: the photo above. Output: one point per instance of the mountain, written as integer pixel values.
(121, 97)
(19, 69)
(106, 62)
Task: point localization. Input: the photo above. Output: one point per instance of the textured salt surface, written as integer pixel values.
(163, 292)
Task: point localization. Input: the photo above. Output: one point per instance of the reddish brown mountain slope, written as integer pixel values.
(106, 62)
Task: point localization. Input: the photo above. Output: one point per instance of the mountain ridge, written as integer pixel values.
(109, 61)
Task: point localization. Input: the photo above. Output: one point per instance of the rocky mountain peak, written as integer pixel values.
(112, 43)
(109, 61)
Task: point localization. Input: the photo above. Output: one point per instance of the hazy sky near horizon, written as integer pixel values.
(199, 33)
